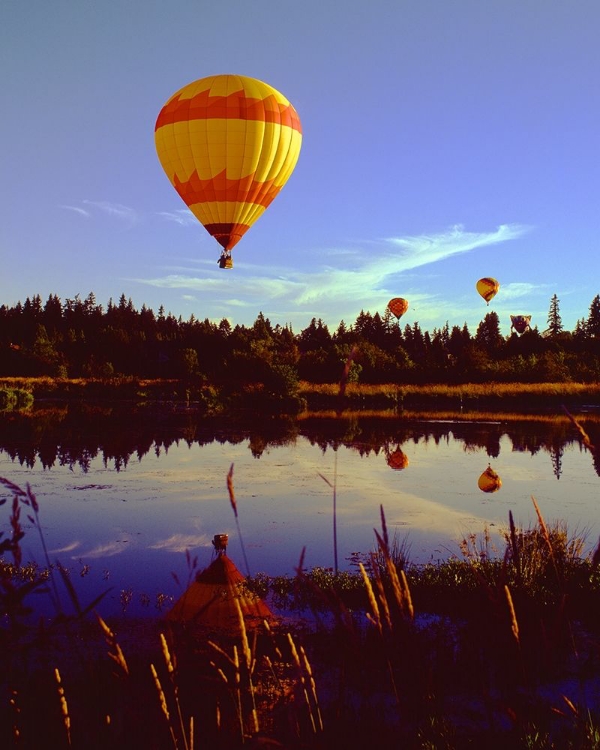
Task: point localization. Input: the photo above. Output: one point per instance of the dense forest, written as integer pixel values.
(79, 338)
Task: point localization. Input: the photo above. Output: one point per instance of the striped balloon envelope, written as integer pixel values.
(487, 288)
(228, 144)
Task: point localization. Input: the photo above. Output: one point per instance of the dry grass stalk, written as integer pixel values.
(514, 625)
(514, 545)
(383, 600)
(400, 589)
(233, 502)
(115, 652)
(313, 686)
(249, 663)
(410, 610)
(374, 617)
(163, 703)
(312, 705)
(384, 532)
(171, 670)
(231, 491)
(64, 708)
(546, 535)
(585, 437)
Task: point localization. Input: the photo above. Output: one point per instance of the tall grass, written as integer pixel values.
(461, 653)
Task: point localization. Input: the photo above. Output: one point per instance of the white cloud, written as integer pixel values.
(78, 210)
(67, 548)
(425, 249)
(183, 216)
(108, 549)
(117, 210)
(334, 288)
(182, 542)
(517, 290)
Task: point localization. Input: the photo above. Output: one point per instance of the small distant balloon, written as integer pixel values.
(487, 288)
(520, 323)
(489, 481)
(398, 306)
(397, 460)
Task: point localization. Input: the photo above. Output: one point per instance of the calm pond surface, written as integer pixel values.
(123, 493)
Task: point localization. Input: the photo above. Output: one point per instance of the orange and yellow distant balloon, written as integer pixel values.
(487, 288)
(398, 306)
(228, 145)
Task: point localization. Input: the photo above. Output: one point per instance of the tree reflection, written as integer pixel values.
(74, 436)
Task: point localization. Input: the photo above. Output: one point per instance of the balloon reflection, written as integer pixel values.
(489, 481)
(397, 459)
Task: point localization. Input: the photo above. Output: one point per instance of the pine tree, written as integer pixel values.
(555, 325)
(592, 327)
(488, 333)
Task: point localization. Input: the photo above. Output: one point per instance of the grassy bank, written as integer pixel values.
(525, 397)
(500, 397)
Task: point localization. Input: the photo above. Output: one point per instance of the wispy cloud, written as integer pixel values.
(182, 542)
(334, 288)
(109, 549)
(67, 548)
(78, 210)
(424, 249)
(517, 290)
(183, 216)
(118, 210)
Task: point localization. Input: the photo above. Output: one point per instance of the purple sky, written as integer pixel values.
(443, 141)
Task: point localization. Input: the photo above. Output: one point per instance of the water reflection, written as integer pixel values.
(397, 459)
(489, 481)
(77, 434)
(125, 492)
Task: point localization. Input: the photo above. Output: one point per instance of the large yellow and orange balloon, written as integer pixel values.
(487, 288)
(228, 144)
(398, 306)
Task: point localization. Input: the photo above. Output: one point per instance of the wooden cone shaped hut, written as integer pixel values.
(209, 603)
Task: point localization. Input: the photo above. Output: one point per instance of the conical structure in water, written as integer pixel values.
(210, 601)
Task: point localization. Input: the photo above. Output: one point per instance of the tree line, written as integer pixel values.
(79, 338)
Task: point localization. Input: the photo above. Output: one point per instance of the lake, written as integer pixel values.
(124, 492)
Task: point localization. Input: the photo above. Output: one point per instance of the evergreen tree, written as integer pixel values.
(488, 334)
(555, 325)
(592, 327)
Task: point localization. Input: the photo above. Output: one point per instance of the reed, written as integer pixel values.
(408, 651)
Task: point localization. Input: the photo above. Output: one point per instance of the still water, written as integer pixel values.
(123, 495)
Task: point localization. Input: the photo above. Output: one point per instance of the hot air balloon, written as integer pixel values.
(398, 306)
(228, 144)
(397, 460)
(520, 323)
(487, 288)
(489, 481)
